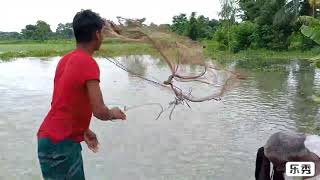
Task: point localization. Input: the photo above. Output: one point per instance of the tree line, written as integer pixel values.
(40, 31)
(196, 27)
(253, 24)
(243, 24)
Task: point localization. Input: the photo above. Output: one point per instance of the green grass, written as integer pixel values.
(212, 50)
(111, 47)
(253, 59)
(260, 59)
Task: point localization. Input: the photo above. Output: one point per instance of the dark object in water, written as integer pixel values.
(282, 148)
(262, 171)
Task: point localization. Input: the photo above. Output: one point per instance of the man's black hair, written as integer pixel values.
(85, 24)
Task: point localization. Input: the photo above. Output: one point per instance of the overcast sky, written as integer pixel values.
(15, 14)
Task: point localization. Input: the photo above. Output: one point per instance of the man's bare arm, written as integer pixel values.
(99, 109)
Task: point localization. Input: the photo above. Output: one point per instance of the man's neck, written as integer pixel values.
(86, 47)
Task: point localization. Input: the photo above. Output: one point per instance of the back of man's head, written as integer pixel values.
(283, 147)
(85, 24)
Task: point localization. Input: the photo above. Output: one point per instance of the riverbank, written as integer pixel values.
(15, 49)
(114, 47)
(213, 51)
(260, 59)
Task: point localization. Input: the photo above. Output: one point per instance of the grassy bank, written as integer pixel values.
(114, 47)
(212, 50)
(111, 47)
(263, 54)
(259, 59)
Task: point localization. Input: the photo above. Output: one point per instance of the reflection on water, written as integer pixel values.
(136, 64)
(213, 140)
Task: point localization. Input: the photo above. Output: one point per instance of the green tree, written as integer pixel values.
(204, 28)
(268, 10)
(43, 30)
(285, 21)
(214, 24)
(288, 12)
(228, 14)
(242, 35)
(10, 35)
(40, 31)
(229, 9)
(250, 9)
(29, 31)
(64, 31)
(274, 21)
(180, 24)
(193, 27)
(221, 36)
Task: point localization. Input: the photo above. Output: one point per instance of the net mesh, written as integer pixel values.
(178, 52)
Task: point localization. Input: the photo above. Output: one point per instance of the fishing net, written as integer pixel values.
(178, 52)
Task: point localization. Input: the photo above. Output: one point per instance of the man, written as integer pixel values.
(76, 96)
(286, 147)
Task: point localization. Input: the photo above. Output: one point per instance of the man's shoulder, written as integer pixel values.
(80, 56)
(77, 59)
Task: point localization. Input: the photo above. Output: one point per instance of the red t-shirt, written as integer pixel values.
(70, 111)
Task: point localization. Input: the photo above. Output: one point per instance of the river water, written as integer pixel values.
(212, 140)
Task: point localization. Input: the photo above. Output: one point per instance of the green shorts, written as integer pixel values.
(61, 161)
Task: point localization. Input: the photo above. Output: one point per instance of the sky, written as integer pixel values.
(16, 14)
